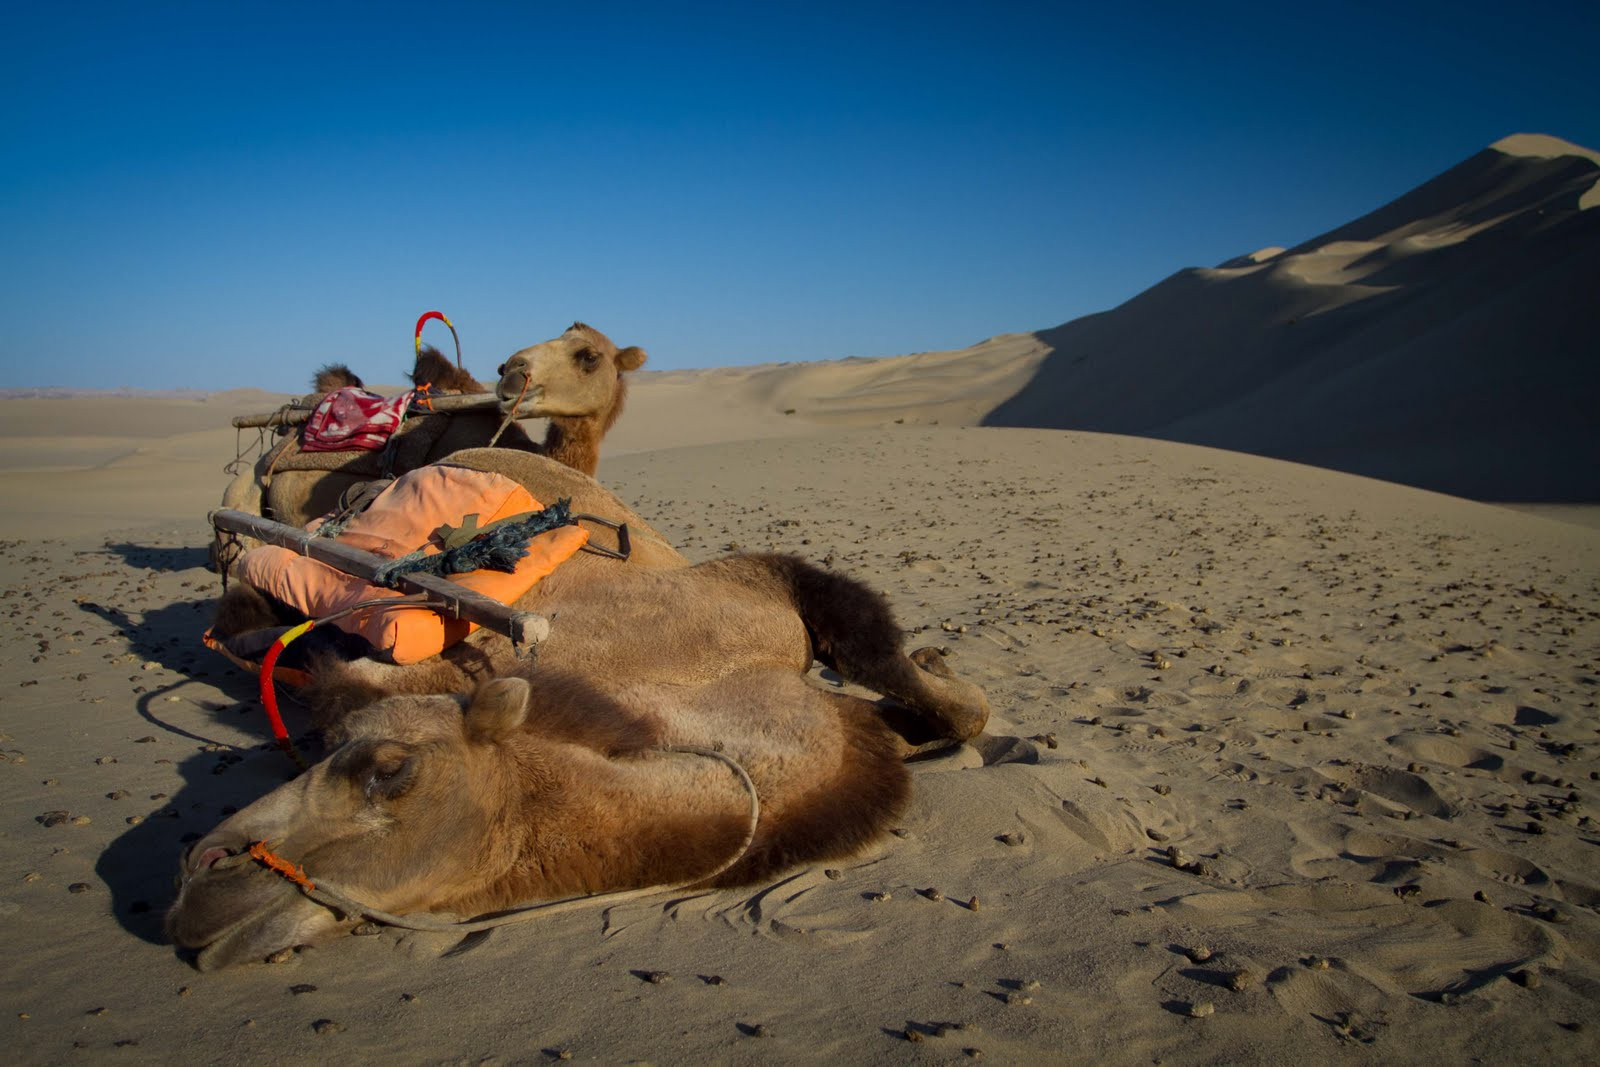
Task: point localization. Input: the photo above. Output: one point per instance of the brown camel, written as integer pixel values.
(575, 380)
(553, 778)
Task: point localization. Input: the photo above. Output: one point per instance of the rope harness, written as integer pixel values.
(336, 899)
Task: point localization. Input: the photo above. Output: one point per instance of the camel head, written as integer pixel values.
(577, 375)
(397, 817)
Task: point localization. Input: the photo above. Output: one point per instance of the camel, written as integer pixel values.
(565, 774)
(575, 380)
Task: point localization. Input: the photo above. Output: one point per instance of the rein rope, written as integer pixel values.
(331, 896)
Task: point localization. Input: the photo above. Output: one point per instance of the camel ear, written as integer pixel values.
(497, 708)
(630, 358)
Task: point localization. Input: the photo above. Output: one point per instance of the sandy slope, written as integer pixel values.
(1352, 707)
(1443, 340)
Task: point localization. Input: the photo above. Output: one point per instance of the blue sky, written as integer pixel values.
(216, 195)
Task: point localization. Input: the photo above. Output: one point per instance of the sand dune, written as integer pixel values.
(1285, 762)
(1439, 341)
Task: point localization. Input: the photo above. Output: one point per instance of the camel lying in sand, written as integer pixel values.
(553, 777)
(575, 380)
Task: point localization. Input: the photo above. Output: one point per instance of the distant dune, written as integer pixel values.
(1446, 340)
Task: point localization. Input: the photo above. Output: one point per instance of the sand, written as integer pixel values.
(1363, 715)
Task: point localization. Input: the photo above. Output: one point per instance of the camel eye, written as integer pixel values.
(390, 778)
(589, 359)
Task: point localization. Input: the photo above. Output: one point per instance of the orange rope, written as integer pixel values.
(512, 413)
(260, 852)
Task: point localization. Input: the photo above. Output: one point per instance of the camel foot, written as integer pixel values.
(958, 707)
(931, 659)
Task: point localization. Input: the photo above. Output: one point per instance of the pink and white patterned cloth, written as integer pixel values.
(351, 418)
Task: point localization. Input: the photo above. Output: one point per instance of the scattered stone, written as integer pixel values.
(654, 977)
(1155, 835)
(1010, 839)
(78, 887)
(366, 929)
(283, 955)
(1198, 954)
(833, 874)
(54, 818)
(1527, 979)
(327, 1026)
(1241, 980)
(1201, 1010)
(301, 988)
(878, 898)
(105, 760)
(81, 820)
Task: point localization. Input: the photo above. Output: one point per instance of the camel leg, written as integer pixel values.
(854, 632)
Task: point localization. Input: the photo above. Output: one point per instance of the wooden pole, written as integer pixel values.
(442, 405)
(525, 628)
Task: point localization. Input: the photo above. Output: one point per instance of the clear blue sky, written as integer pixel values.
(228, 194)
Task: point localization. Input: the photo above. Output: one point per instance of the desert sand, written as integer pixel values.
(1284, 763)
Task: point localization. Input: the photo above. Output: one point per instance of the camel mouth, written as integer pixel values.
(510, 398)
(225, 916)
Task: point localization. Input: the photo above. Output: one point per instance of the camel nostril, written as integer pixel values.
(210, 857)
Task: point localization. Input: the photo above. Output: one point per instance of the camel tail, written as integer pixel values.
(854, 631)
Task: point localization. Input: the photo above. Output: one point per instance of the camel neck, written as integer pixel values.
(641, 820)
(575, 442)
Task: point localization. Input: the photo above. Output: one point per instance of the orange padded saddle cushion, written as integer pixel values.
(402, 519)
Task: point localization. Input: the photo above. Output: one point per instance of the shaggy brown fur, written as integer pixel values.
(442, 377)
(335, 376)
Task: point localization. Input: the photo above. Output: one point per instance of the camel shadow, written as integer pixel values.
(138, 867)
(160, 557)
(169, 637)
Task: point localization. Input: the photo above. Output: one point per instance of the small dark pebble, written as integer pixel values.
(78, 887)
(54, 818)
(302, 987)
(713, 979)
(833, 874)
(1010, 839)
(327, 1026)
